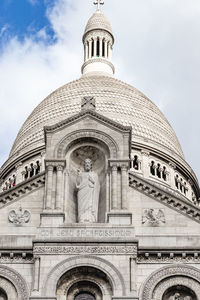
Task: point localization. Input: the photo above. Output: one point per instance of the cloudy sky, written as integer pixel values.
(156, 50)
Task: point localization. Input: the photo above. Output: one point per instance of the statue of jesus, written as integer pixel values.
(88, 187)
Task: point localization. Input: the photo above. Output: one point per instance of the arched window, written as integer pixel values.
(164, 174)
(31, 171)
(98, 47)
(152, 168)
(136, 163)
(103, 48)
(92, 48)
(84, 296)
(38, 167)
(26, 173)
(177, 181)
(158, 171)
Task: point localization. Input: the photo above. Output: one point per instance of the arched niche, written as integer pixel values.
(3, 295)
(84, 283)
(179, 292)
(70, 271)
(7, 290)
(96, 136)
(76, 153)
(168, 280)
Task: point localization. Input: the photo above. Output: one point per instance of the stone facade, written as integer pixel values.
(145, 244)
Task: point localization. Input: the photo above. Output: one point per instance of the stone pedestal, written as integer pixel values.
(119, 218)
(51, 219)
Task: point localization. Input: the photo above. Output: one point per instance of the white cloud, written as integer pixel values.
(33, 2)
(157, 50)
(3, 30)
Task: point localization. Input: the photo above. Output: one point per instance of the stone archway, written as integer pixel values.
(161, 280)
(114, 276)
(93, 135)
(12, 283)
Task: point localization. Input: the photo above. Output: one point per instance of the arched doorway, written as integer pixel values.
(84, 283)
(179, 292)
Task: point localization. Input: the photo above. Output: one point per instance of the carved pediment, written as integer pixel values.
(22, 189)
(88, 125)
(165, 196)
(85, 114)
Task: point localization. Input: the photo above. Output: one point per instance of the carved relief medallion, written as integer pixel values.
(153, 217)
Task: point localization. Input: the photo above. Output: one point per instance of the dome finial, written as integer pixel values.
(98, 3)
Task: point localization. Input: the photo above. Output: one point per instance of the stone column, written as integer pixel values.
(133, 271)
(95, 47)
(36, 273)
(18, 173)
(114, 187)
(106, 49)
(124, 172)
(59, 181)
(85, 52)
(42, 164)
(107, 192)
(49, 187)
(172, 174)
(145, 163)
(23, 175)
(110, 51)
(90, 49)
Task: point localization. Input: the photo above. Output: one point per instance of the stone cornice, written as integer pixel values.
(14, 160)
(97, 116)
(101, 60)
(181, 165)
(166, 196)
(166, 256)
(22, 189)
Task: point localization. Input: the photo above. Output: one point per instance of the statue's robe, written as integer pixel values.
(88, 187)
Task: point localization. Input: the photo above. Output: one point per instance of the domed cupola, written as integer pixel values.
(98, 42)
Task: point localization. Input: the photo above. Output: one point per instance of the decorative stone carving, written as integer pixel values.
(18, 282)
(103, 137)
(20, 217)
(164, 278)
(153, 217)
(88, 103)
(88, 187)
(169, 257)
(22, 189)
(166, 196)
(119, 249)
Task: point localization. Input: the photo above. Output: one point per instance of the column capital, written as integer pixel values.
(59, 167)
(49, 168)
(55, 163)
(124, 167)
(114, 167)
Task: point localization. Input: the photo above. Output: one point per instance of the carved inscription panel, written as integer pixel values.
(87, 233)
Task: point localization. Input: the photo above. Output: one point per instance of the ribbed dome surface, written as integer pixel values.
(114, 99)
(98, 21)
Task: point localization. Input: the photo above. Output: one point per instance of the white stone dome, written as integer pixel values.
(98, 21)
(115, 100)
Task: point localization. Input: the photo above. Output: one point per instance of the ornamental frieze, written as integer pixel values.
(119, 250)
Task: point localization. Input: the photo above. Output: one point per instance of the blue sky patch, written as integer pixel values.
(23, 18)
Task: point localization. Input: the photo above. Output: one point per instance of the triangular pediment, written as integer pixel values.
(166, 196)
(91, 114)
